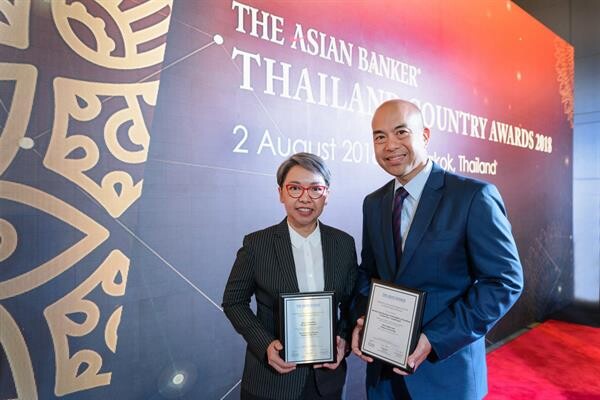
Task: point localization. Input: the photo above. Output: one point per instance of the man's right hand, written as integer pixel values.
(276, 361)
(357, 338)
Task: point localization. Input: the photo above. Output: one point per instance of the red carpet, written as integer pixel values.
(555, 360)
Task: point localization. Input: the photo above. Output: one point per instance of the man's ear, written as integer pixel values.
(426, 135)
(280, 194)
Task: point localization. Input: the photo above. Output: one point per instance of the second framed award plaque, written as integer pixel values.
(392, 323)
(307, 323)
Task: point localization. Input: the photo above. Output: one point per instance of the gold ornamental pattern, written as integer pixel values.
(111, 276)
(117, 190)
(15, 126)
(15, 31)
(96, 143)
(125, 20)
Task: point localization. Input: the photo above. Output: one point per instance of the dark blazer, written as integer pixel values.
(461, 251)
(265, 267)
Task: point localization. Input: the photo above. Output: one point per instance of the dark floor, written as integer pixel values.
(579, 313)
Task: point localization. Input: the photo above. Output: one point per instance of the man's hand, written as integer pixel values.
(357, 338)
(341, 352)
(276, 361)
(418, 356)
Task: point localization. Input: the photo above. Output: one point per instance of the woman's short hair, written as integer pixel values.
(308, 161)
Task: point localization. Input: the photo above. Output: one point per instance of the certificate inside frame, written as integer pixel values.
(381, 338)
(308, 340)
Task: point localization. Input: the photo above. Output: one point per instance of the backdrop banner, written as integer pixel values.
(139, 142)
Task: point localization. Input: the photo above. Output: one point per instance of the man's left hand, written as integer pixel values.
(418, 356)
(341, 352)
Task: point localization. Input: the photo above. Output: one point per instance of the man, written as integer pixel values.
(300, 254)
(453, 240)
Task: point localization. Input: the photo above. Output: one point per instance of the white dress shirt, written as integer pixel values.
(414, 187)
(308, 258)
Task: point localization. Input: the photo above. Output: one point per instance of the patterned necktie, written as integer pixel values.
(401, 194)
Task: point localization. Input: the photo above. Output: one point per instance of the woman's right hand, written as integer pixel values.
(276, 361)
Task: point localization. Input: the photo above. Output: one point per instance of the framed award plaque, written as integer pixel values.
(307, 323)
(392, 323)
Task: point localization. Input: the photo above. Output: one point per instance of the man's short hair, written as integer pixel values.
(308, 161)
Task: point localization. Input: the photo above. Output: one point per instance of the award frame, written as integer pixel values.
(308, 337)
(391, 332)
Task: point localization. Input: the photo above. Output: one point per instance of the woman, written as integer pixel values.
(300, 254)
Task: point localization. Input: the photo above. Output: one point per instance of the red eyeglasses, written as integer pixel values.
(314, 191)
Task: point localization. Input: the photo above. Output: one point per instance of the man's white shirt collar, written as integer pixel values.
(415, 186)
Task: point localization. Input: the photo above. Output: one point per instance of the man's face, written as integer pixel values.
(400, 139)
(302, 212)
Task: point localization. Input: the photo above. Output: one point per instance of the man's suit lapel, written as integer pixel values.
(428, 203)
(285, 258)
(328, 246)
(387, 233)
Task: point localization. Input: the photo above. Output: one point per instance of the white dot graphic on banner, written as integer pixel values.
(26, 143)
(178, 378)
